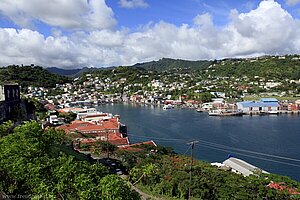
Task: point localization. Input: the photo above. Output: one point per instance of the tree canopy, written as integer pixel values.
(31, 76)
(31, 163)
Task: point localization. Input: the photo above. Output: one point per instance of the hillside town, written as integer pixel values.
(203, 90)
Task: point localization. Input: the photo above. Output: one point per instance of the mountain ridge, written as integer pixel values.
(160, 65)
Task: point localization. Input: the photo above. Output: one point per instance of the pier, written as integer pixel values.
(279, 112)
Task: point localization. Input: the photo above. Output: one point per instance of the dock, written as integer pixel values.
(279, 112)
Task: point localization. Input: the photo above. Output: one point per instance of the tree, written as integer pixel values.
(113, 187)
(104, 147)
(144, 172)
(6, 128)
(69, 117)
(205, 97)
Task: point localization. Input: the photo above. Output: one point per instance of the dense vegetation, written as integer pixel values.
(63, 72)
(32, 164)
(30, 76)
(166, 174)
(268, 67)
(271, 67)
(72, 72)
(166, 64)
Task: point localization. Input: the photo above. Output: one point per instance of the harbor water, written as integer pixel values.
(269, 142)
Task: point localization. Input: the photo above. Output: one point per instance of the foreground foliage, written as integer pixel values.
(31, 164)
(167, 174)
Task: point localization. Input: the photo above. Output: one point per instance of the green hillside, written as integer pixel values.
(30, 76)
(271, 67)
(170, 64)
(71, 72)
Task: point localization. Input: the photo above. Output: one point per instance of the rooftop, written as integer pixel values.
(269, 100)
(241, 166)
(259, 104)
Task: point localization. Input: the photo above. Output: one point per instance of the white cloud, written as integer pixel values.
(107, 38)
(68, 14)
(268, 29)
(27, 46)
(133, 4)
(292, 2)
(203, 20)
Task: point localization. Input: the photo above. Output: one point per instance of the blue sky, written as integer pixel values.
(177, 11)
(79, 33)
(173, 11)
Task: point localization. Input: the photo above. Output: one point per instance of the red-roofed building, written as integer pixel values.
(99, 129)
(282, 186)
(135, 147)
(88, 141)
(117, 139)
(192, 102)
(114, 138)
(69, 128)
(50, 106)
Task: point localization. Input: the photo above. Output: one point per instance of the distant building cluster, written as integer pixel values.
(92, 127)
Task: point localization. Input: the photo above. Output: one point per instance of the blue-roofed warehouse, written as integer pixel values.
(267, 105)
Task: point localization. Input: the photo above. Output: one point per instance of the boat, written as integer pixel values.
(273, 112)
(168, 106)
(225, 113)
(199, 110)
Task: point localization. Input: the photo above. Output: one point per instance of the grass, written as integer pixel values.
(149, 192)
(69, 151)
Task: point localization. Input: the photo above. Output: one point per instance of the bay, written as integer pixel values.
(260, 140)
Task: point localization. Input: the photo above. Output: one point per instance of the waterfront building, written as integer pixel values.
(242, 167)
(263, 105)
(97, 117)
(100, 129)
(114, 139)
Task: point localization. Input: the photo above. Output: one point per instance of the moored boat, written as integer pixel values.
(168, 106)
(225, 113)
(273, 112)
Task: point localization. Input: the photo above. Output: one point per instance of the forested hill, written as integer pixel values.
(30, 76)
(271, 67)
(63, 72)
(73, 72)
(166, 64)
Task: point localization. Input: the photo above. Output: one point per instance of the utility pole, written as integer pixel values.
(107, 144)
(192, 160)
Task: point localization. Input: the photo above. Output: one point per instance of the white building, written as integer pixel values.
(241, 167)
